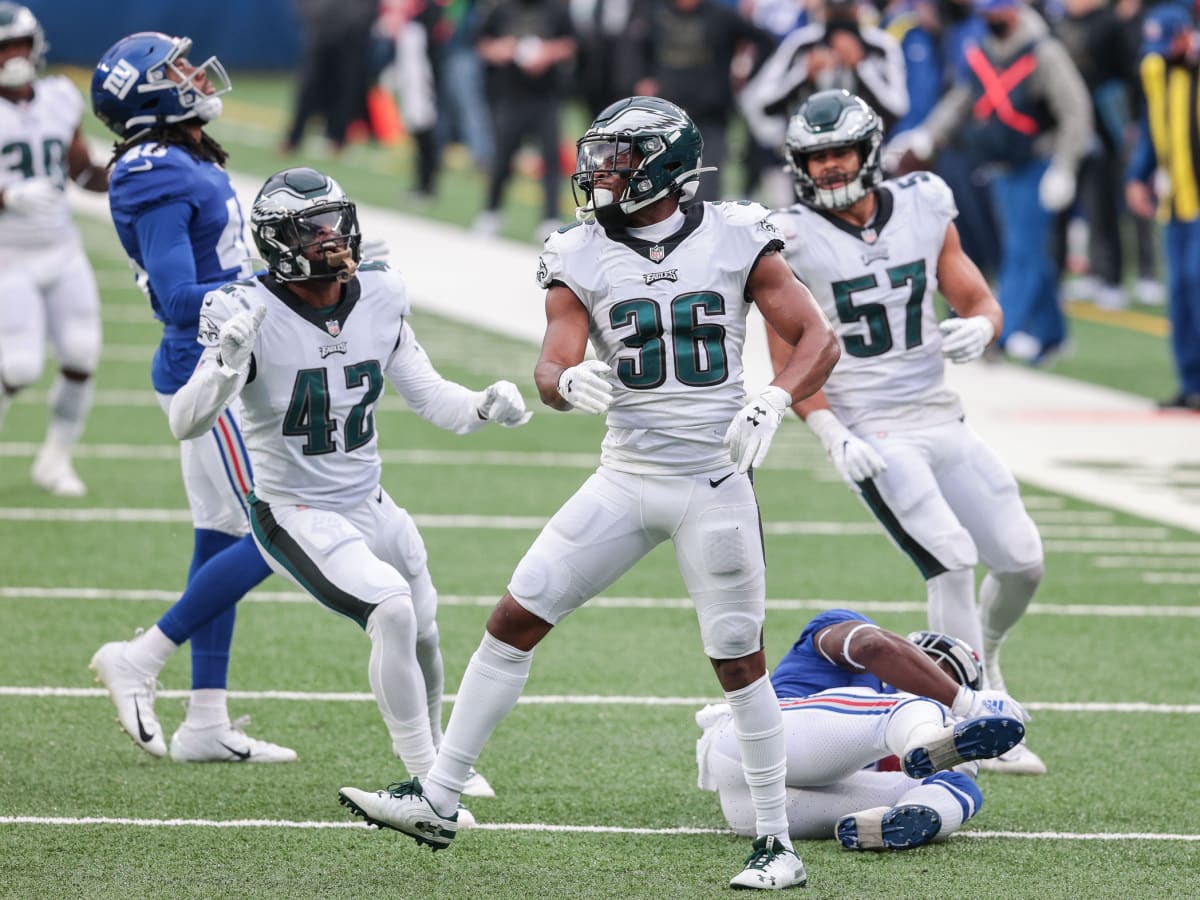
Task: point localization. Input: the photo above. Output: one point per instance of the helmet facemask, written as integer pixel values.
(834, 120)
(952, 655)
(320, 243)
(189, 85)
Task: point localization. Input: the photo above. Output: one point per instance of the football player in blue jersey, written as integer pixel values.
(854, 696)
(178, 218)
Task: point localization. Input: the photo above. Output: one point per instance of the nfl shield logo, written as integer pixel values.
(333, 327)
(657, 253)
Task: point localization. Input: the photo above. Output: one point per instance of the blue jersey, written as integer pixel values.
(804, 671)
(180, 223)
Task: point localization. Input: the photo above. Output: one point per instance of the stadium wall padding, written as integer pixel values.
(243, 34)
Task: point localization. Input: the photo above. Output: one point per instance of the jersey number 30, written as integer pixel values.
(309, 415)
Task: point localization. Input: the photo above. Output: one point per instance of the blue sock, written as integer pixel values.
(224, 568)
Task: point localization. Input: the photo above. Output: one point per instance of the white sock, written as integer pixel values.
(914, 723)
(429, 658)
(397, 682)
(208, 707)
(1003, 599)
(952, 606)
(70, 402)
(759, 726)
(150, 650)
(490, 688)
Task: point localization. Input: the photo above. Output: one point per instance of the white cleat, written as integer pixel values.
(477, 786)
(403, 807)
(132, 691)
(1020, 760)
(770, 867)
(225, 742)
(53, 472)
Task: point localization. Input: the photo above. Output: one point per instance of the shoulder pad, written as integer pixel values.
(380, 279)
(63, 92)
(741, 212)
(151, 175)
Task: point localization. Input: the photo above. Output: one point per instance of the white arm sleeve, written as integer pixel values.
(197, 405)
(446, 404)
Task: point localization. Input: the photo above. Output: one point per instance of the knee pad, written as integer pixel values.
(731, 631)
(393, 621)
(78, 350)
(21, 369)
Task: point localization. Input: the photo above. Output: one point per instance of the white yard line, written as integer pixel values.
(545, 827)
(1083, 610)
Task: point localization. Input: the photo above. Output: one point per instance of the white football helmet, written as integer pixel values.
(17, 23)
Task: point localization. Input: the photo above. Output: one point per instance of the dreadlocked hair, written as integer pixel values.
(206, 149)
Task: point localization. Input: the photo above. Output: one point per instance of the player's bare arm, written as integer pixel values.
(563, 345)
(895, 660)
(83, 171)
(963, 285)
(794, 317)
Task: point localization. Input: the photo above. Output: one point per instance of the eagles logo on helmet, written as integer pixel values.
(650, 143)
(830, 120)
(305, 228)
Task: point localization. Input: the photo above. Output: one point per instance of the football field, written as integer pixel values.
(595, 770)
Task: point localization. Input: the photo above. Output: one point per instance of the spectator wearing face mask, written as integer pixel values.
(1024, 115)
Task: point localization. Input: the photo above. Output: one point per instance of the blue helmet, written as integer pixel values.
(145, 81)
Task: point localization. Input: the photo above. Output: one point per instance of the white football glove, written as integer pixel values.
(503, 404)
(1056, 190)
(970, 703)
(586, 386)
(373, 248)
(236, 338)
(915, 141)
(33, 196)
(854, 459)
(966, 338)
(748, 436)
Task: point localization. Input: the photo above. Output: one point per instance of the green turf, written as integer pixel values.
(627, 765)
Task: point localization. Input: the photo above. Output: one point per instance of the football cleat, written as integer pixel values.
(1020, 760)
(770, 867)
(983, 737)
(889, 828)
(403, 807)
(225, 742)
(477, 786)
(132, 691)
(53, 472)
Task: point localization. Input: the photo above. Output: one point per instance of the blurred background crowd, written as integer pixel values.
(1066, 128)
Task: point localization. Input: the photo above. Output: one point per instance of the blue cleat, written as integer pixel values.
(983, 737)
(889, 828)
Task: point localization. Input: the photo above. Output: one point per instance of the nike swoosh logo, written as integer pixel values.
(242, 755)
(146, 736)
(719, 481)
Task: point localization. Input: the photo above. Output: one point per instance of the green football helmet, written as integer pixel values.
(829, 120)
(649, 141)
(17, 23)
(305, 228)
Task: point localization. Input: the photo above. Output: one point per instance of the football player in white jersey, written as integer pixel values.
(663, 293)
(874, 253)
(47, 288)
(308, 347)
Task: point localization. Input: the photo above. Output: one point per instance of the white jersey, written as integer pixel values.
(877, 286)
(669, 317)
(309, 402)
(34, 138)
